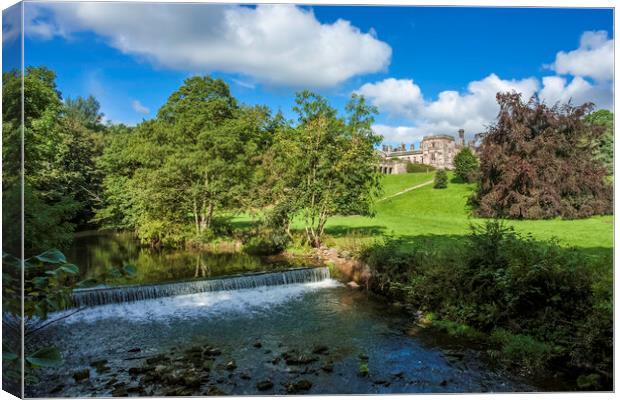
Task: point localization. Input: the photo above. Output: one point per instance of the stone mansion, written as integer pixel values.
(435, 150)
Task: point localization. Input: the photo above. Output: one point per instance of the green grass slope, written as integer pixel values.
(395, 183)
(441, 215)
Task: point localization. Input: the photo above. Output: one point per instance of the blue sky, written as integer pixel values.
(428, 69)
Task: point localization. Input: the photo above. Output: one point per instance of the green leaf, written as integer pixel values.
(86, 283)
(10, 260)
(129, 270)
(70, 268)
(9, 356)
(53, 256)
(45, 357)
(39, 281)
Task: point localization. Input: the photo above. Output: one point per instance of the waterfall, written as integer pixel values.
(124, 294)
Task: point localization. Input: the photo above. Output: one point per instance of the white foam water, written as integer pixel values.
(125, 294)
(222, 303)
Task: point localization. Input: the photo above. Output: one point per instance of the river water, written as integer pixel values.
(255, 329)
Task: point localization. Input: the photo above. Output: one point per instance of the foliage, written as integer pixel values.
(604, 144)
(415, 167)
(538, 162)
(535, 300)
(169, 177)
(267, 243)
(47, 287)
(325, 165)
(441, 179)
(60, 178)
(86, 111)
(466, 165)
(522, 350)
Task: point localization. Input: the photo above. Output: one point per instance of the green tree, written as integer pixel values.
(466, 165)
(441, 179)
(176, 172)
(85, 110)
(539, 162)
(325, 165)
(49, 203)
(604, 144)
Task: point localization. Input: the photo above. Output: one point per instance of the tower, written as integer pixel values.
(462, 137)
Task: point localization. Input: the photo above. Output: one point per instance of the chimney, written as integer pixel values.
(462, 137)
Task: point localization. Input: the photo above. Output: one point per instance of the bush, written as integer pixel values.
(266, 244)
(413, 167)
(540, 303)
(466, 165)
(441, 179)
(522, 350)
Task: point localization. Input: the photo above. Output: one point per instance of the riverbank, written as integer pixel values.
(533, 308)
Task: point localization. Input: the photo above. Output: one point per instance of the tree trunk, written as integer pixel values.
(209, 215)
(196, 218)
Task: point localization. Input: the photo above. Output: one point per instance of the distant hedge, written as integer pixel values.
(411, 167)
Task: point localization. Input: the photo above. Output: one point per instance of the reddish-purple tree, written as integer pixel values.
(537, 161)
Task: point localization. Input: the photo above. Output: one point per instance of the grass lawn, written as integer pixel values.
(441, 215)
(395, 183)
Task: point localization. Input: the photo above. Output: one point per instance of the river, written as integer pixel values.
(316, 337)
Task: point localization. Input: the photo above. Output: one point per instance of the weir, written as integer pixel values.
(124, 294)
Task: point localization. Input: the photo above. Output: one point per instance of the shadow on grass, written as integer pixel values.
(343, 230)
(452, 246)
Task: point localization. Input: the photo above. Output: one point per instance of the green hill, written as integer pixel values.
(435, 213)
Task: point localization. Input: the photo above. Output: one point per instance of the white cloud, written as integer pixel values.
(591, 73)
(398, 134)
(472, 110)
(399, 97)
(594, 58)
(275, 44)
(139, 108)
(577, 91)
(11, 23)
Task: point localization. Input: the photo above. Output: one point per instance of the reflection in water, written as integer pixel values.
(96, 253)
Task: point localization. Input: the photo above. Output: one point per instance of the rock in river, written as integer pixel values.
(81, 375)
(264, 385)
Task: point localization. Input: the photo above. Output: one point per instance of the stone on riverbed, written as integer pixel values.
(81, 375)
(300, 386)
(100, 366)
(328, 367)
(212, 351)
(157, 359)
(264, 385)
(215, 391)
(320, 349)
(296, 358)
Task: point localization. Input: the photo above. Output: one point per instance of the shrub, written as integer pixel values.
(441, 179)
(522, 350)
(466, 165)
(414, 167)
(541, 304)
(267, 243)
